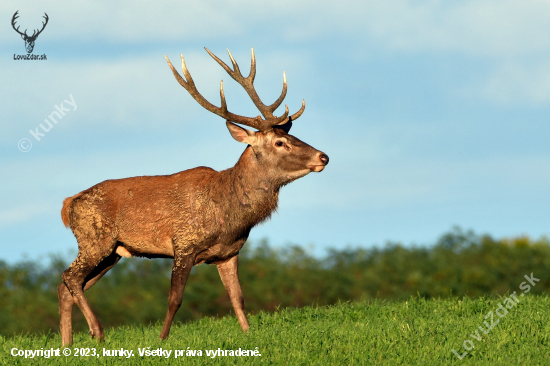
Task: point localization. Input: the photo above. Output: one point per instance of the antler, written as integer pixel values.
(34, 35)
(15, 16)
(262, 124)
(43, 26)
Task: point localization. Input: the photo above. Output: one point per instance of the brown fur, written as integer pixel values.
(64, 211)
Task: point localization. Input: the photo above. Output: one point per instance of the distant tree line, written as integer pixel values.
(135, 291)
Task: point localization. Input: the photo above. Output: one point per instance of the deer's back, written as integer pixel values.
(147, 213)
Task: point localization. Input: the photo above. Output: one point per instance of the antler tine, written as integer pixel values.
(252, 74)
(295, 115)
(222, 64)
(186, 72)
(283, 119)
(222, 97)
(178, 77)
(279, 100)
(235, 66)
(44, 24)
(13, 19)
(299, 113)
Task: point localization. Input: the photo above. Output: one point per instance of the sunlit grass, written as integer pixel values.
(416, 331)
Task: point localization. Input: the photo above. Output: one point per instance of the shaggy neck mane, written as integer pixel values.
(253, 194)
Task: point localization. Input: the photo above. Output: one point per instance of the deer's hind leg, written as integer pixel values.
(92, 262)
(180, 273)
(66, 301)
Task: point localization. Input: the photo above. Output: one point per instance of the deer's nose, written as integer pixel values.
(324, 158)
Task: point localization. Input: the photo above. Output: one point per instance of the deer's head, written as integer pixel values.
(29, 40)
(283, 154)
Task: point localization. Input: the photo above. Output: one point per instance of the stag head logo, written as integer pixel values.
(29, 40)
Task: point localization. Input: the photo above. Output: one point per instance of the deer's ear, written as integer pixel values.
(241, 134)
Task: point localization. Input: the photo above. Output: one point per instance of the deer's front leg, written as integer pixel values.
(180, 272)
(230, 277)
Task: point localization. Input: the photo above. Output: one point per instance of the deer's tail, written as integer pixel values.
(67, 205)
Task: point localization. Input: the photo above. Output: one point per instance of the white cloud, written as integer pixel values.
(514, 83)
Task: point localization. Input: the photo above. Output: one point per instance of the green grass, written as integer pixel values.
(416, 331)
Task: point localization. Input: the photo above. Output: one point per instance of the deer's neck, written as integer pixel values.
(253, 193)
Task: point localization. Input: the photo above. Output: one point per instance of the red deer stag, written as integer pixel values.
(195, 216)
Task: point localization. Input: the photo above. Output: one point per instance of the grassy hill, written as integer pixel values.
(415, 331)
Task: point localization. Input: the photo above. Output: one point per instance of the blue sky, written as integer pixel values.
(433, 113)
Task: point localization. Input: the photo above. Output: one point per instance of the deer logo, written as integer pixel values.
(29, 40)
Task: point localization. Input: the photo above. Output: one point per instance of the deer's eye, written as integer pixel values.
(279, 143)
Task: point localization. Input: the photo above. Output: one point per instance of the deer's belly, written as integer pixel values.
(145, 246)
(219, 252)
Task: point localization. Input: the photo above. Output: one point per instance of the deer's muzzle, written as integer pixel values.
(323, 161)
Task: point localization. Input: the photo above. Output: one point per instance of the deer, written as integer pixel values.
(195, 216)
(29, 40)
